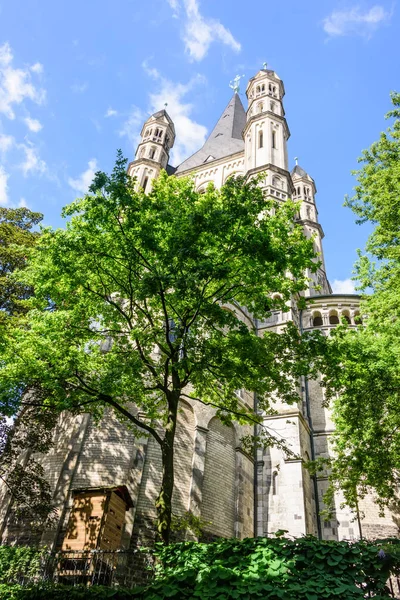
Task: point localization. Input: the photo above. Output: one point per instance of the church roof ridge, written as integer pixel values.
(225, 138)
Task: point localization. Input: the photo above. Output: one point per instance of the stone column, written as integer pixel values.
(244, 495)
(199, 458)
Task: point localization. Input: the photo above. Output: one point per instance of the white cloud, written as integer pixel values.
(79, 88)
(199, 33)
(6, 142)
(22, 203)
(32, 163)
(344, 286)
(133, 124)
(82, 183)
(33, 124)
(354, 21)
(37, 68)
(190, 135)
(15, 84)
(174, 4)
(111, 112)
(3, 187)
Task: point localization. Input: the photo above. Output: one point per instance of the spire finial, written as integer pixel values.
(166, 104)
(265, 64)
(235, 83)
(297, 160)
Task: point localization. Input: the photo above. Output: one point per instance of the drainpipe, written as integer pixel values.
(312, 447)
(255, 492)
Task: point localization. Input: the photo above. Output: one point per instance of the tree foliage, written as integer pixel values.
(29, 431)
(364, 370)
(268, 568)
(135, 307)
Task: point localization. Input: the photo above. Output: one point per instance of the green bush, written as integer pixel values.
(267, 568)
(19, 563)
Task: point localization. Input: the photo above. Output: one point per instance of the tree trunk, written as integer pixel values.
(164, 500)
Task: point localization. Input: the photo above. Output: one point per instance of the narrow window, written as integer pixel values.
(263, 88)
(261, 140)
(333, 318)
(274, 483)
(152, 152)
(317, 319)
(298, 191)
(273, 139)
(145, 182)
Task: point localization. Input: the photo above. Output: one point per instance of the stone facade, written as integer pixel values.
(237, 495)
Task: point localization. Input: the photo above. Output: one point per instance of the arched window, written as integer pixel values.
(258, 89)
(317, 319)
(270, 87)
(333, 318)
(152, 152)
(260, 107)
(141, 153)
(276, 182)
(272, 106)
(260, 139)
(346, 316)
(274, 90)
(274, 483)
(298, 191)
(145, 182)
(357, 318)
(273, 139)
(147, 133)
(263, 88)
(308, 213)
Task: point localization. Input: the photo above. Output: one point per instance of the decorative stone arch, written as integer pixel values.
(346, 315)
(316, 319)
(202, 188)
(333, 317)
(233, 174)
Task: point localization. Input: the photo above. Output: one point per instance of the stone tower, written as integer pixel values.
(152, 153)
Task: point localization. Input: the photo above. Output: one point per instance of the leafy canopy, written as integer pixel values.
(137, 306)
(365, 365)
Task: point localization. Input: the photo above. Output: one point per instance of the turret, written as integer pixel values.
(266, 132)
(152, 153)
(304, 192)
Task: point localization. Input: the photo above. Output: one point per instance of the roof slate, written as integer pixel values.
(224, 140)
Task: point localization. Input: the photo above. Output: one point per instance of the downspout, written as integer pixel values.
(312, 447)
(255, 487)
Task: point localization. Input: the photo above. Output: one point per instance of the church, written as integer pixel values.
(104, 467)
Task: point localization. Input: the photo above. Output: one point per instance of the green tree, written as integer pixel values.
(29, 492)
(134, 307)
(363, 376)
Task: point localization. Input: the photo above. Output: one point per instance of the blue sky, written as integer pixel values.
(77, 79)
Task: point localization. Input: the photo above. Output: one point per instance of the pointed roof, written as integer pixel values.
(162, 114)
(224, 140)
(299, 171)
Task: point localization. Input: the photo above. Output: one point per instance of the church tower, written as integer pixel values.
(266, 133)
(304, 192)
(152, 153)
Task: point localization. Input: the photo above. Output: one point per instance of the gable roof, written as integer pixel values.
(224, 140)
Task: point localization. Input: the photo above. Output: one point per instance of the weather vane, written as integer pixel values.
(235, 84)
